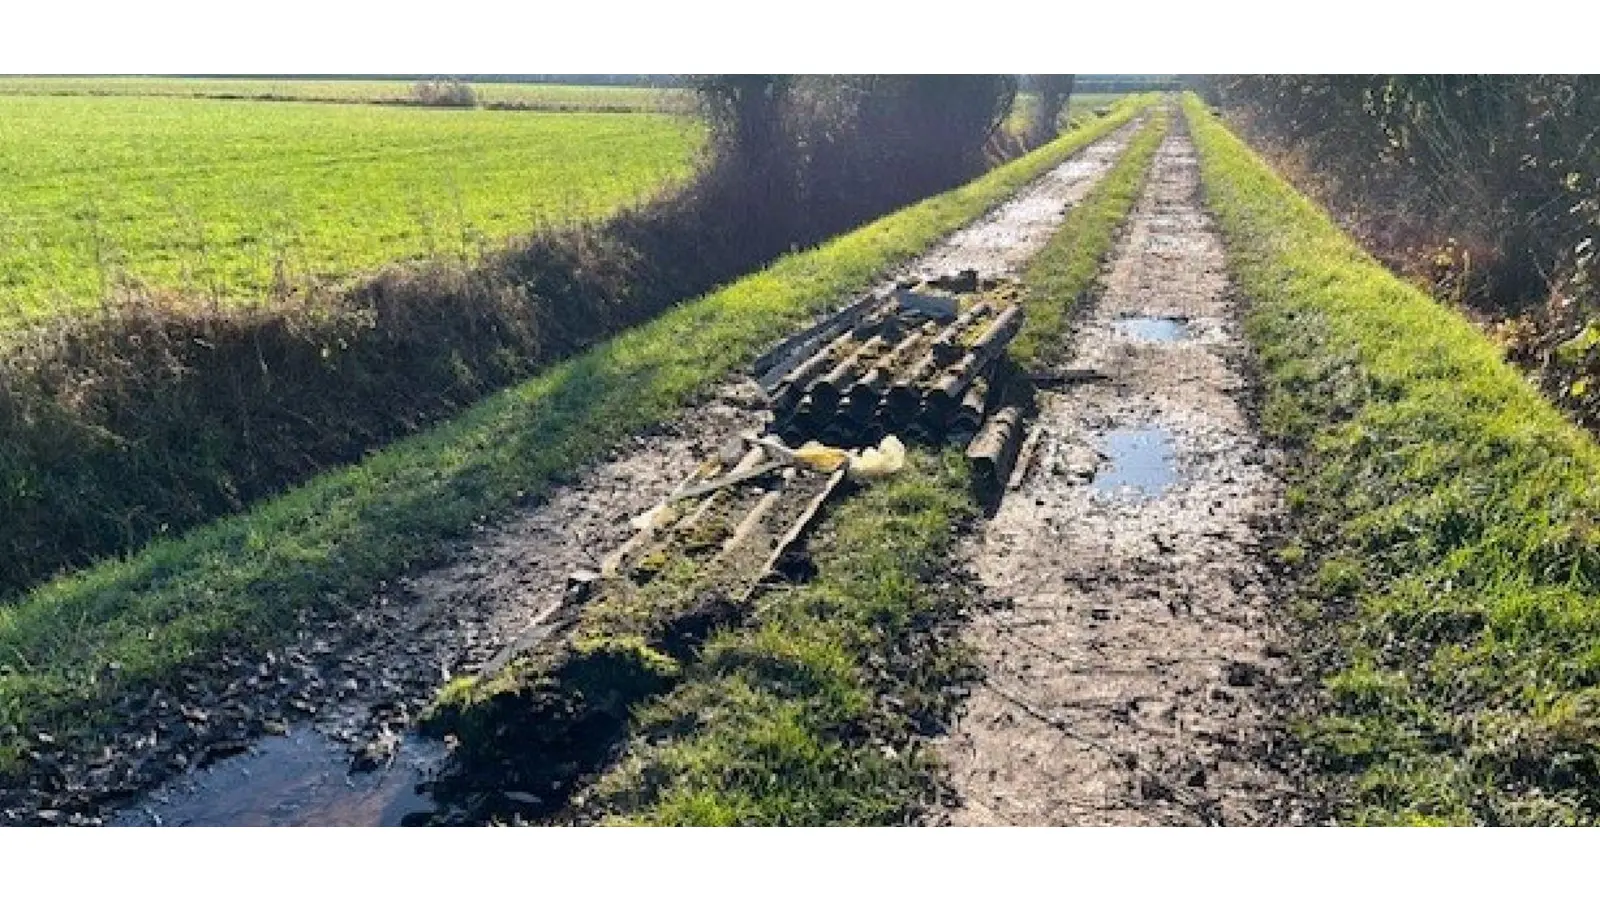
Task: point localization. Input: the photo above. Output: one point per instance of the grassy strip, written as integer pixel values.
(242, 581)
(1445, 525)
(1068, 267)
(783, 723)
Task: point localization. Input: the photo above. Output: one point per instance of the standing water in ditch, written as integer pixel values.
(452, 620)
(1124, 637)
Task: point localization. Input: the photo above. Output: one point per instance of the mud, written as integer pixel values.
(321, 731)
(1126, 634)
(1003, 242)
(297, 778)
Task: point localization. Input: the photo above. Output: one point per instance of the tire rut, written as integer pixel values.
(1125, 637)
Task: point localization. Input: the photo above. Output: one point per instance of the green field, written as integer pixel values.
(539, 96)
(217, 197)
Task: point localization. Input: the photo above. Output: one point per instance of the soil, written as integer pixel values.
(329, 717)
(1126, 638)
(1003, 242)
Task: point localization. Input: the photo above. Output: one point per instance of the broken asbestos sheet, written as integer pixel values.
(923, 359)
(919, 361)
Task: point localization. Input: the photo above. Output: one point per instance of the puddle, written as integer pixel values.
(1140, 461)
(298, 779)
(1162, 329)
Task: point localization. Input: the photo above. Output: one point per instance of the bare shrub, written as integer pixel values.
(812, 154)
(1486, 188)
(1507, 163)
(444, 92)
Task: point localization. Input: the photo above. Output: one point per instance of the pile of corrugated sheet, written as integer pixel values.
(919, 361)
(924, 361)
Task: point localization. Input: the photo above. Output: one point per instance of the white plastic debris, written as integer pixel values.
(878, 462)
(820, 457)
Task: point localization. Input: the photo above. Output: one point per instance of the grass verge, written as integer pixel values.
(788, 721)
(1068, 267)
(1444, 525)
(243, 581)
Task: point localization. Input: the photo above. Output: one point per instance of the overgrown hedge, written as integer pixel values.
(1484, 187)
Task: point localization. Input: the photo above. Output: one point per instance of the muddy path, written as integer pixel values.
(320, 732)
(1126, 637)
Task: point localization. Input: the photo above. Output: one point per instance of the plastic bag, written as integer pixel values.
(881, 461)
(820, 456)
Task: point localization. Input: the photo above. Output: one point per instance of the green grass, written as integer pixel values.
(780, 723)
(214, 197)
(540, 96)
(1069, 265)
(1446, 528)
(241, 581)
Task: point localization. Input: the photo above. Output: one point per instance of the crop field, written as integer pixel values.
(600, 98)
(227, 199)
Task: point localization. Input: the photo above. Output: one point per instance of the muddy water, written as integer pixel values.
(1138, 461)
(1160, 329)
(1125, 636)
(296, 779)
(453, 619)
